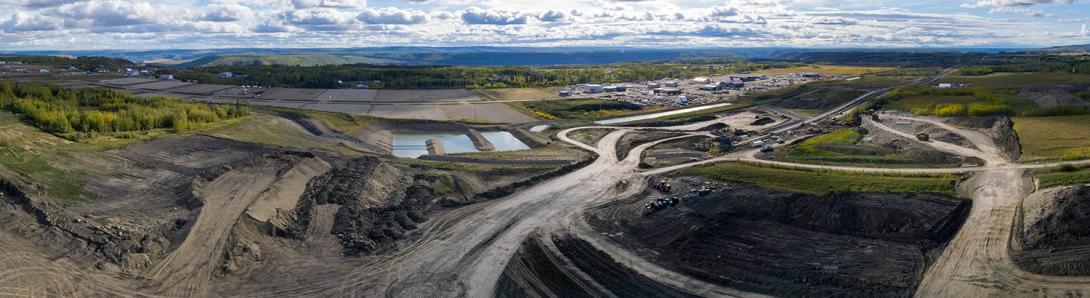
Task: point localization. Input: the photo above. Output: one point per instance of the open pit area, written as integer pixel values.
(789, 244)
(1052, 232)
(298, 194)
(343, 192)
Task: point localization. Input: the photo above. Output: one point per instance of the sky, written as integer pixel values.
(206, 24)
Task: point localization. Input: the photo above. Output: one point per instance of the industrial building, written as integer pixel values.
(593, 88)
(667, 91)
(748, 77)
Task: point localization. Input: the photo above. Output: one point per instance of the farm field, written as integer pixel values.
(839, 70)
(1018, 80)
(1063, 176)
(521, 93)
(1054, 138)
(423, 96)
(161, 85)
(820, 182)
(348, 95)
(201, 89)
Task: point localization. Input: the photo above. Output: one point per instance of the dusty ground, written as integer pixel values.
(408, 247)
(1053, 232)
(785, 244)
(634, 139)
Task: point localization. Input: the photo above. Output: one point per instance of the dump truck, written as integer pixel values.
(923, 137)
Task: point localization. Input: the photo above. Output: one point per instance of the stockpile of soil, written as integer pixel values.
(535, 272)
(633, 139)
(538, 270)
(1001, 129)
(791, 244)
(1054, 95)
(1056, 232)
(379, 204)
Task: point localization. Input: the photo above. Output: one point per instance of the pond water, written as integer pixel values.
(414, 144)
(659, 114)
(504, 141)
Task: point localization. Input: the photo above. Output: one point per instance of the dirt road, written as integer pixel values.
(462, 252)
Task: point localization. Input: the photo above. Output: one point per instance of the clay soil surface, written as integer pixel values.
(1054, 232)
(790, 244)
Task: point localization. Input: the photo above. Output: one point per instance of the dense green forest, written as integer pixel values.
(83, 63)
(440, 77)
(80, 113)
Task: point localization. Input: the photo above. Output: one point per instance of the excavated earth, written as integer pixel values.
(1000, 129)
(792, 244)
(566, 266)
(1055, 232)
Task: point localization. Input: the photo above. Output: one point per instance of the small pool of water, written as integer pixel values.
(659, 114)
(504, 141)
(414, 144)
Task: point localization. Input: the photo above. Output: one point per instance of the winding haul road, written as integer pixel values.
(463, 252)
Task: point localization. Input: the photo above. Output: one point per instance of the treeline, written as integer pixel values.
(444, 77)
(1067, 64)
(79, 113)
(83, 63)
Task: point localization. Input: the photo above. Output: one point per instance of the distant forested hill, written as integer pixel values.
(298, 60)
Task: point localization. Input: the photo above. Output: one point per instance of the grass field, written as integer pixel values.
(582, 109)
(1018, 80)
(275, 131)
(839, 148)
(46, 158)
(827, 70)
(1064, 176)
(520, 93)
(819, 182)
(1054, 138)
(816, 95)
(338, 121)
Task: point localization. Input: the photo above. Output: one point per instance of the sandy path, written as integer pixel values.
(189, 269)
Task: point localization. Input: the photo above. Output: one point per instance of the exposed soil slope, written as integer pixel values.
(789, 244)
(1055, 232)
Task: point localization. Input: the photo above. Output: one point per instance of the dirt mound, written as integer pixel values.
(763, 121)
(1056, 232)
(379, 204)
(633, 139)
(1001, 129)
(1054, 95)
(791, 244)
(566, 266)
(879, 142)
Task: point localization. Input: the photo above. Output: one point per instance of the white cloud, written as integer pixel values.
(344, 23)
(24, 22)
(392, 16)
(226, 13)
(110, 13)
(1016, 6)
(38, 3)
(329, 3)
(479, 16)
